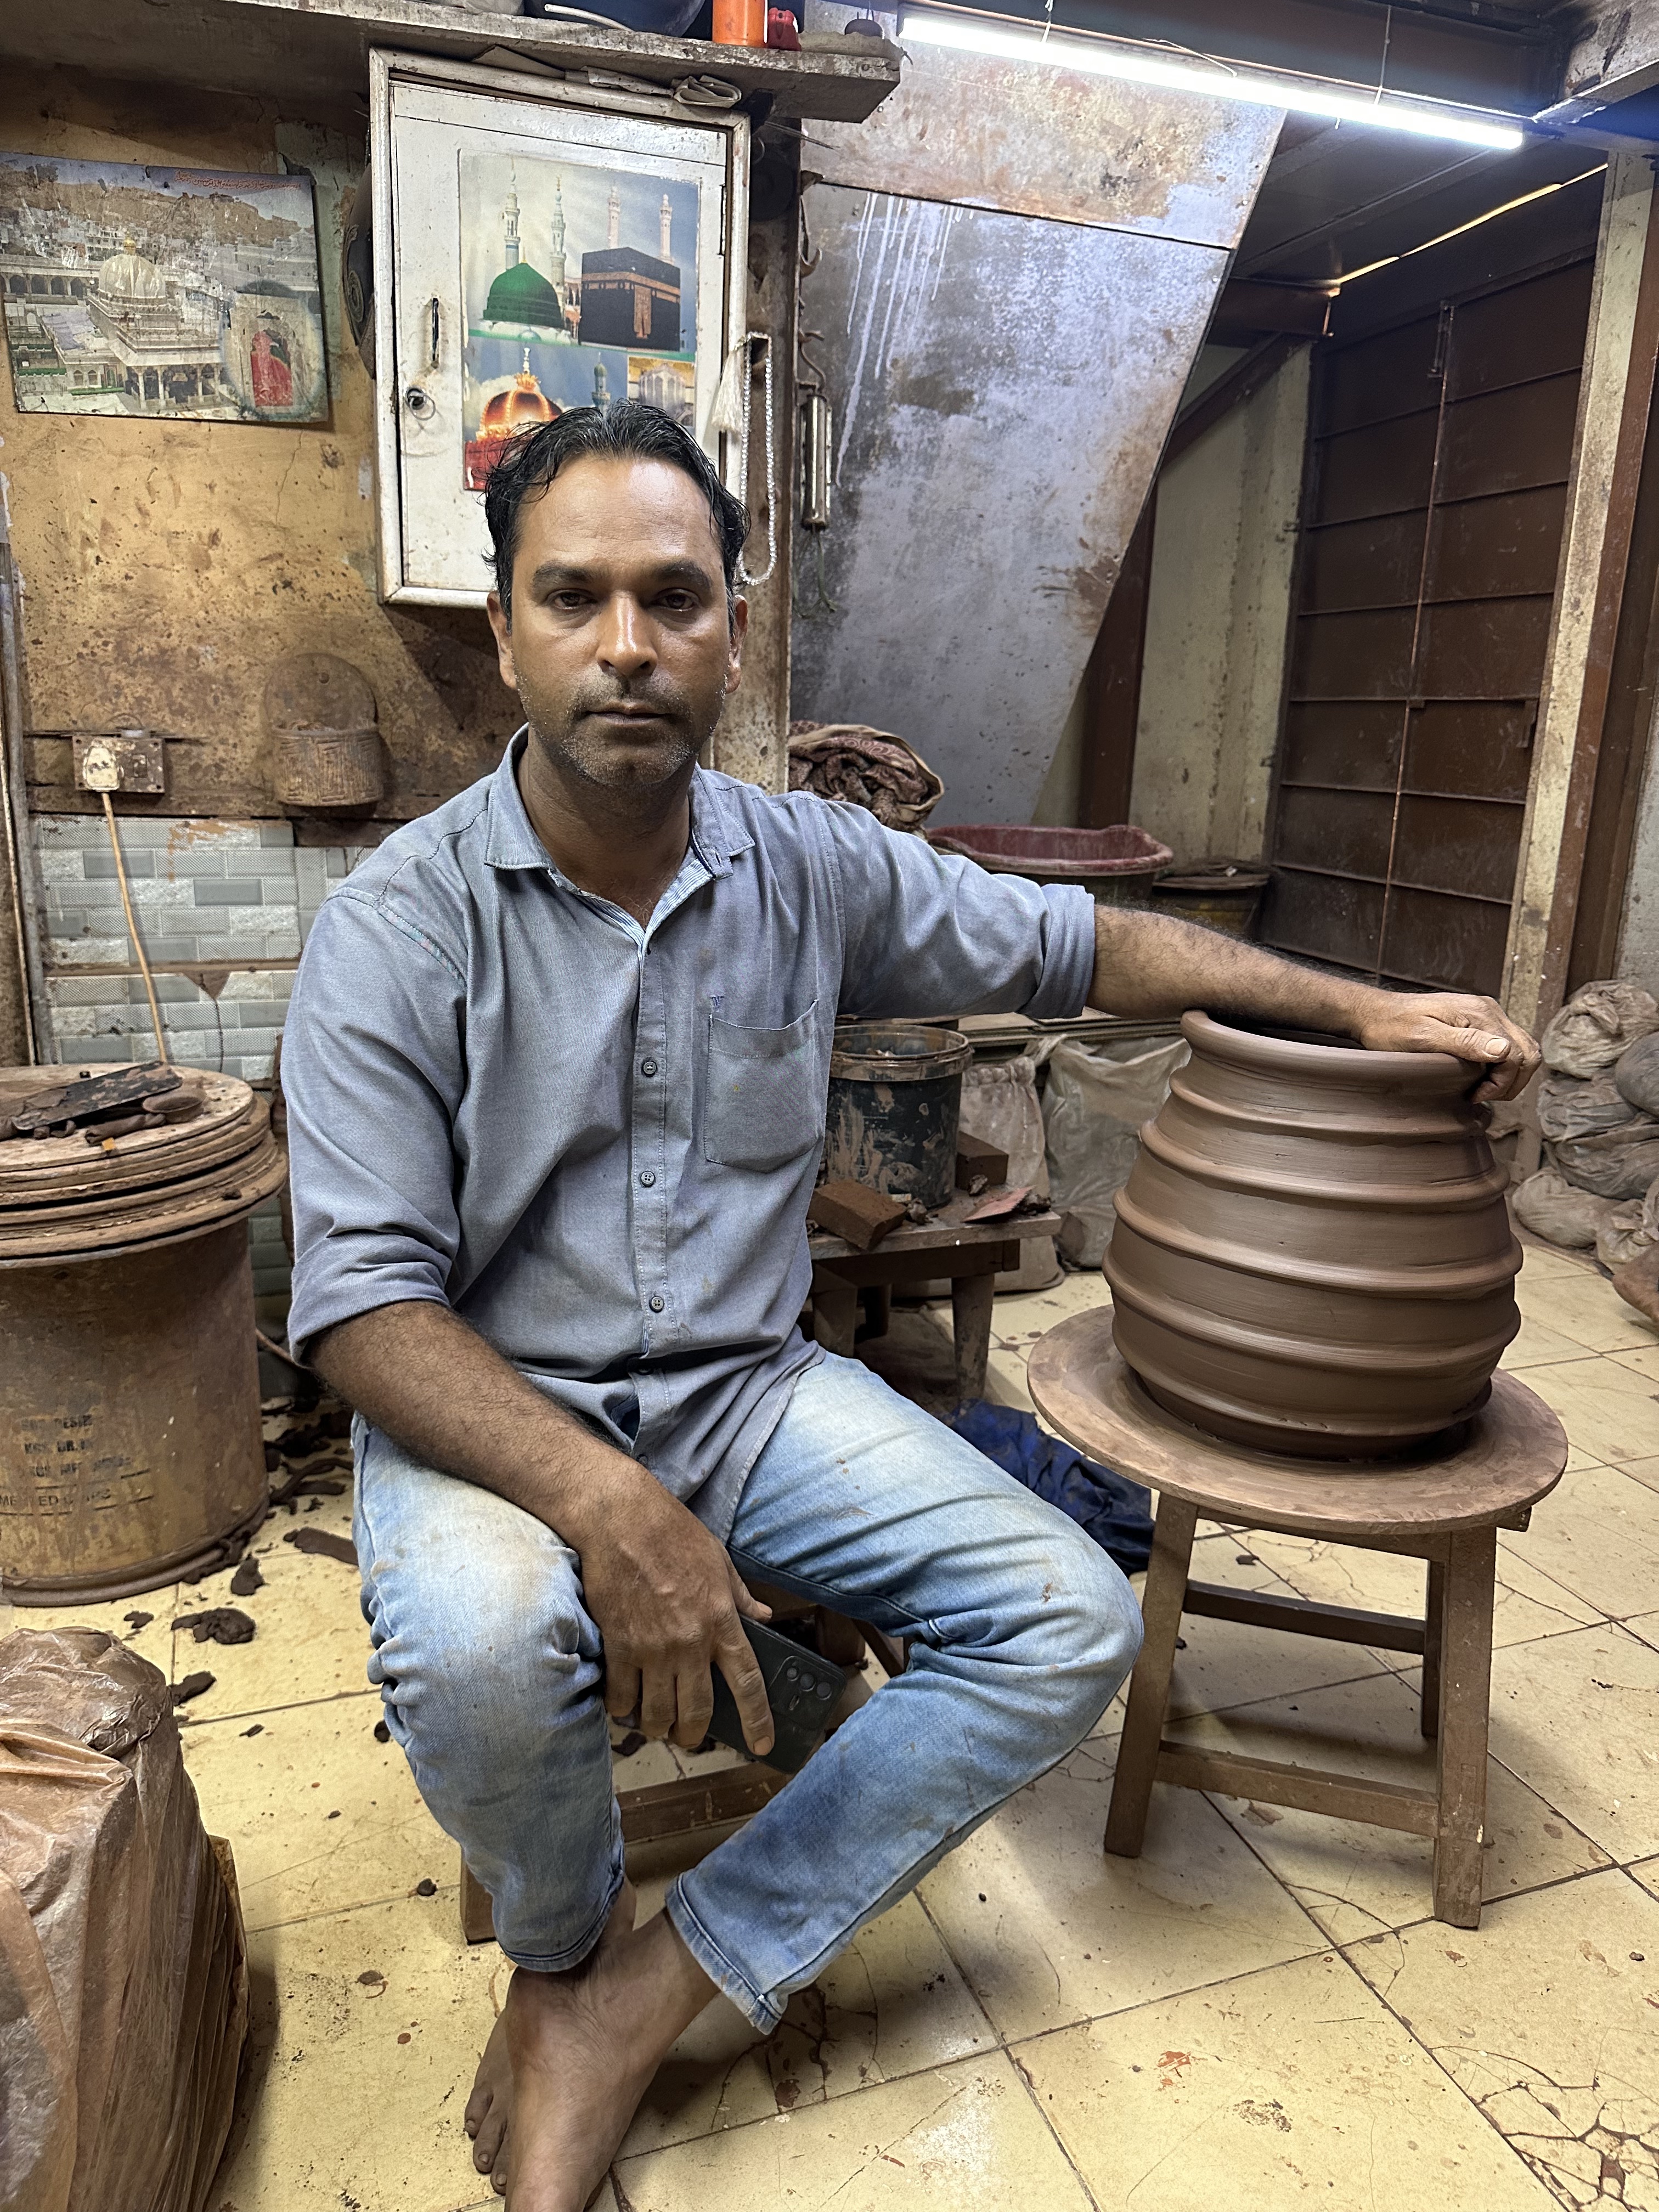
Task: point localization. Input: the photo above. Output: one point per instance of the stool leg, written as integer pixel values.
(477, 1913)
(1465, 1696)
(1149, 1685)
(1434, 1621)
(834, 1315)
(971, 1302)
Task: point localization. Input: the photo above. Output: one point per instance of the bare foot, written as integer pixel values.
(489, 2107)
(583, 2048)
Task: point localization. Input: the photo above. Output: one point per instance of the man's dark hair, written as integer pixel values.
(629, 431)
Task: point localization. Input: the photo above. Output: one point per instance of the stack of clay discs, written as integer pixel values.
(62, 1197)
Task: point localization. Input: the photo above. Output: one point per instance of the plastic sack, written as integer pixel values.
(1618, 1163)
(1636, 1074)
(1596, 1024)
(1548, 1205)
(123, 1969)
(1098, 1096)
(1580, 1106)
(999, 1104)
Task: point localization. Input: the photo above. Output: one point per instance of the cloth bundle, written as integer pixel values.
(871, 768)
(1114, 1511)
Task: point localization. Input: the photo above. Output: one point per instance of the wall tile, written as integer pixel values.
(59, 867)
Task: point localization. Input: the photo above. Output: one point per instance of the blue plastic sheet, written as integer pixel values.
(1114, 1511)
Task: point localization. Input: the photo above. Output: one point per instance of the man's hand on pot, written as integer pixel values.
(1458, 1021)
(669, 1604)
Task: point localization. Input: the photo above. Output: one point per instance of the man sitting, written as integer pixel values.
(556, 1069)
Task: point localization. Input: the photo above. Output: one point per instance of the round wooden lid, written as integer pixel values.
(1489, 1470)
(63, 1194)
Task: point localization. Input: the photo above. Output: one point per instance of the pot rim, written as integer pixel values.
(1438, 1072)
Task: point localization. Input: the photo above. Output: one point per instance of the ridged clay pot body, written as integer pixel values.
(1313, 1254)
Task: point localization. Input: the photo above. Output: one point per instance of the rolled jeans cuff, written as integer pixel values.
(565, 1961)
(762, 2011)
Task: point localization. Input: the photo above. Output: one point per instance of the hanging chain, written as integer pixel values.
(745, 575)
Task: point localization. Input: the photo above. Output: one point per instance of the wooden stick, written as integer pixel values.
(132, 931)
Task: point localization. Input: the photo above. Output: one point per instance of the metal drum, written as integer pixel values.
(130, 1450)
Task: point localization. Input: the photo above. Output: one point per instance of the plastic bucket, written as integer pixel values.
(894, 1098)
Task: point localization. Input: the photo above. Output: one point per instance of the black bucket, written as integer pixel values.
(895, 1095)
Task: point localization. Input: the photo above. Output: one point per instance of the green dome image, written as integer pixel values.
(522, 297)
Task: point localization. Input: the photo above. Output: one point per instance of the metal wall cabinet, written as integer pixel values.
(473, 171)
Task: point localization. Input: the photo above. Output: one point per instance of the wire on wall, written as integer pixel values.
(132, 929)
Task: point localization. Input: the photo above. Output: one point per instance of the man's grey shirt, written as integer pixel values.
(596, 1142)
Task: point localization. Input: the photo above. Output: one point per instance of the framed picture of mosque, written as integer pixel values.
(133, 290)
(548, 246)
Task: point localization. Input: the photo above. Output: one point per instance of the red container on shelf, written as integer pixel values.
(1117, 864)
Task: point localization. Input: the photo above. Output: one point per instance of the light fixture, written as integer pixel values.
(1384, 110)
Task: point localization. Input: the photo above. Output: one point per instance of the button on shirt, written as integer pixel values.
(596, 1142)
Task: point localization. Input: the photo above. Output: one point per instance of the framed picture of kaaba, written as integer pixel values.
(537, 247)
(189, 293)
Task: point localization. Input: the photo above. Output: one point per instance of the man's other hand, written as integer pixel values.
(1457, 1022)
(670, 1604)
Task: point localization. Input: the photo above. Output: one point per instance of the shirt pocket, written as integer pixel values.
(765, 1097)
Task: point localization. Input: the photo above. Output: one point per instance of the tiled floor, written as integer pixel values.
(1257, 2013)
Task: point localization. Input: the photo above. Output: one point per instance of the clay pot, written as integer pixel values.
(1313, 1254)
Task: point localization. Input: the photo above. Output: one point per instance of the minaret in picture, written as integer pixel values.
(601, 387)
(556, 266)
(667, 220)
(613, 223)
(510, 219)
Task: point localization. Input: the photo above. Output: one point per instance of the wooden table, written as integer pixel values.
(1445, 1505)
(971, 1254)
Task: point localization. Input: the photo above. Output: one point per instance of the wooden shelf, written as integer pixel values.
(317, 50)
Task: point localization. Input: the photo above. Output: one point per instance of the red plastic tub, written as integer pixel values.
(1117, 864)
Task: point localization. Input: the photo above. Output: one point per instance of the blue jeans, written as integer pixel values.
(492, 1674)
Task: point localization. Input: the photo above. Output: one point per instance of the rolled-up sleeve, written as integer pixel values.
(929, 932)
(372, 1061)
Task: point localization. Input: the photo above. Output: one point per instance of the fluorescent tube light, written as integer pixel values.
(1384, 111)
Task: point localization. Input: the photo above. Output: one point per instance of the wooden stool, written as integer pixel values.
(1446, 1509)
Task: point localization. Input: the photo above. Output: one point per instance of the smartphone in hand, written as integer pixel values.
(801, 1688)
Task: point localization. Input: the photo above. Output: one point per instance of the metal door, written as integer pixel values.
(1441, 451)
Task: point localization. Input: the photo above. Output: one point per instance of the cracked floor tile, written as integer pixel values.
(1573, 1716)
(1352, 1878)
(1544, 2017)
(1292, 2087)
(1049, 1930)
(1609, 1412)
(1597, 1535)
(323, 1817)
(1583, 1306)
(1225, 1663)
(365, 2030)
(954, 2137)
(892, 2005)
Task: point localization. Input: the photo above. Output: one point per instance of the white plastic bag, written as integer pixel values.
(1000, 1105)
(1098, 1096)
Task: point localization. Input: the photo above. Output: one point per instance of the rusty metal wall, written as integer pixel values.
(1441, 456)
(1014, 269)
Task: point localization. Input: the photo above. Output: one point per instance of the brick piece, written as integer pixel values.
(862, 1216)
(974, 1158)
